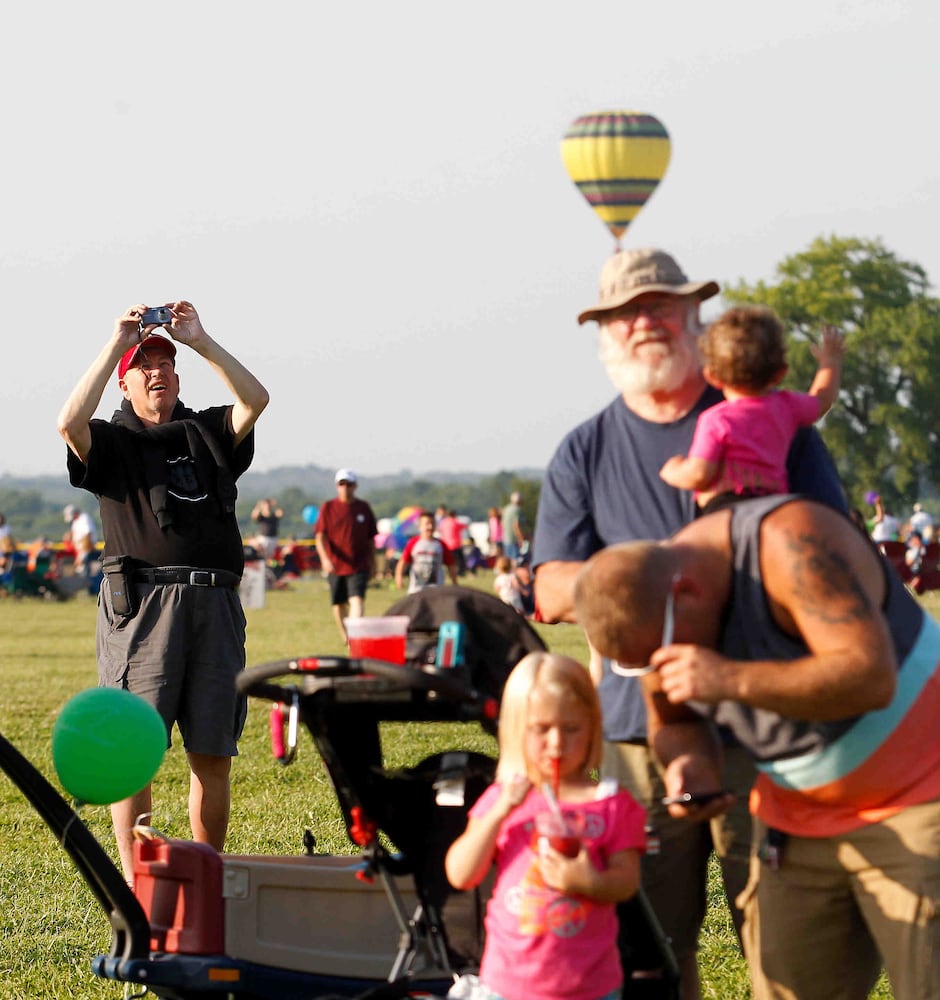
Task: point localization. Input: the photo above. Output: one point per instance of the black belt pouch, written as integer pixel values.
(120, 573)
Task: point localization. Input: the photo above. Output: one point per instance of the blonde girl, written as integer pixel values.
(551, 924)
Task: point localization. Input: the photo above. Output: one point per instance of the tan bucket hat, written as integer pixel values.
(630, 273)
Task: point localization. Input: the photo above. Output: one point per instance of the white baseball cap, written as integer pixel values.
(346, 474)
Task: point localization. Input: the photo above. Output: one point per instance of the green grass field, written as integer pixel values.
(51, 924)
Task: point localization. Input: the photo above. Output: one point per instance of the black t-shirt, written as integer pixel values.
(267, 525)
(201, 533)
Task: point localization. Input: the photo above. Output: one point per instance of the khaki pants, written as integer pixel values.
(837, 908)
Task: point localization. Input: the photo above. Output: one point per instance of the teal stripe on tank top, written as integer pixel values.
(852, 749)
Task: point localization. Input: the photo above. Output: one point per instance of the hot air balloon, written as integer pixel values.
(405, 525)
(616, 159)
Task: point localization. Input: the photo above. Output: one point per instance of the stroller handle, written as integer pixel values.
(444, 683)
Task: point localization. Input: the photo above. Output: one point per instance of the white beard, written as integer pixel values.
(665, 367)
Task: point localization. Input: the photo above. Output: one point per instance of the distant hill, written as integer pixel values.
(55, 489)
(315, 479)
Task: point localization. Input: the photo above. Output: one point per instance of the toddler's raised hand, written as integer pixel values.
(831, 347)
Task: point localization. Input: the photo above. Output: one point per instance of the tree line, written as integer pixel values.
(883, 430)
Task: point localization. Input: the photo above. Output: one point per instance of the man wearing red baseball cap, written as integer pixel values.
(170, 622)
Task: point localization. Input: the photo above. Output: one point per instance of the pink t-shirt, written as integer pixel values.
(750, 439)
(540, 943)
(496, 530)
(451, 532)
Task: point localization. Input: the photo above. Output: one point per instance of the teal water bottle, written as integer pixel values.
(450, 645)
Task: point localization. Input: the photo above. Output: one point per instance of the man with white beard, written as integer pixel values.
(602, 487)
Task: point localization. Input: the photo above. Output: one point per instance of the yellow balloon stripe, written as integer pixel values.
(616, 158)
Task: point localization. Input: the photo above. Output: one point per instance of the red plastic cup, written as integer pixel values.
(563, 833)
(378, 638)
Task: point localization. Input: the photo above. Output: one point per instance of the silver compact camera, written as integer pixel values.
(159, 316)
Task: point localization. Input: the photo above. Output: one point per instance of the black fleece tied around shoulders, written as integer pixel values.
(183, 432)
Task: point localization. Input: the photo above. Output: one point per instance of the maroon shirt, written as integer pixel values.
(349, 531)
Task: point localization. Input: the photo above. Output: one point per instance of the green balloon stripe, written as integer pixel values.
(616, 126)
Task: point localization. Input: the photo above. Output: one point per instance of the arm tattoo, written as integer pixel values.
(824, 584)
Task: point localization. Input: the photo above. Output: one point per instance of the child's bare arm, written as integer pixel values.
(828, 355)
(471, 854)
(689, 473)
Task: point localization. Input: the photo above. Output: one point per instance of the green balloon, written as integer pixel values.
(107, 745)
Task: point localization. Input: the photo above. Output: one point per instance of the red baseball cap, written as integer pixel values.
(130, 357)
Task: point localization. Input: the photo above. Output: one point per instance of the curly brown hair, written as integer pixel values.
(745, 348)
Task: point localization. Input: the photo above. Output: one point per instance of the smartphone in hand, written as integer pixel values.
(693, 798)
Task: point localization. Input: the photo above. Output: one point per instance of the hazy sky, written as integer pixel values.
(367, 204)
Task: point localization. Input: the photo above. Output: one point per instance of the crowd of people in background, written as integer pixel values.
(436, 547)
(473, 546)
(910, 545)
(884, 526)
(43, 568)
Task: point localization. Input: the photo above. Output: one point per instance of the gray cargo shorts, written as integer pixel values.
(181, 652)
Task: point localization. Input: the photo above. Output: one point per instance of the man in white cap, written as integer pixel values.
(345, 537)
(602, 487)
(81, 534)
(922, 522)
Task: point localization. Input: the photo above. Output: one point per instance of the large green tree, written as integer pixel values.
(883, 431)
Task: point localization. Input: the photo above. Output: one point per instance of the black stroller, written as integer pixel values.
(380, 924)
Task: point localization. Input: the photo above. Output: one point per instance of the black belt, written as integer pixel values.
(185, 574)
